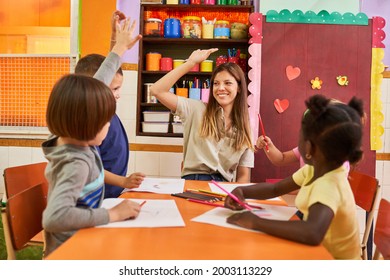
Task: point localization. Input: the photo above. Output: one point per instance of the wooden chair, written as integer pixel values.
(365, 189)
(382, 231)
(26, 191)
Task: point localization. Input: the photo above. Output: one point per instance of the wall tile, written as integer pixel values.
(171, 141)
(130, 127)
(148, 163)
(386, 192)
(130, 81)
(386, 122)
(386, 173)
(4, 158)
(379, 170)
(386, 140)
(123, 109)
(170, 164)
(131, 165)
(37, 155)
(20, 156)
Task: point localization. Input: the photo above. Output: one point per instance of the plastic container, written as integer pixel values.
(182, 92)
(206, 66)
(209, 2)
(177, 62)
(153, 61)
(172, 2)
(195, 68)
(156, 116)
(205, 94)
(238, 30)
(166, 64)
(207, 31)
(155, 127)
(149, 98)
(177, 127)
(194, 93)
(221, 29)
(191, 27)
(152, 27)
(172, 28)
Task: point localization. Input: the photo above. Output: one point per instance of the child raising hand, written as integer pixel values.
(330, 135)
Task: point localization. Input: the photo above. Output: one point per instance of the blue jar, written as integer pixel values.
(184, 2)
(172, 28)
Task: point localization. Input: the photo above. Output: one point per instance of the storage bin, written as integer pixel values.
(155, 127)
(156, 116)
(177, 127)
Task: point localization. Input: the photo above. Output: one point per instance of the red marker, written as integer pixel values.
(263, 131)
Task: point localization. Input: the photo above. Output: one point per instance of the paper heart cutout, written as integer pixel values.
(292, 72)
(281, 105)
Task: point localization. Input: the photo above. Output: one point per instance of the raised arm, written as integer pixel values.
(275, 156)
(161, 88)
(124, 41)
(116, 18)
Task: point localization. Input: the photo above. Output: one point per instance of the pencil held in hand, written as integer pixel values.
(263, 132)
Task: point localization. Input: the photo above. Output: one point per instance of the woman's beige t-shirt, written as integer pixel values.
(205, 155)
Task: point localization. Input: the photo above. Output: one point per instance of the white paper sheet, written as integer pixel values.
(160, 185)
(230, 187)
(154, 213)
(218, 215)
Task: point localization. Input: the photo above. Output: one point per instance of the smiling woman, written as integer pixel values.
(217, 135)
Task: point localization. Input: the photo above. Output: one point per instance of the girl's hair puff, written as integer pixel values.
(79, 106)
(336, 128)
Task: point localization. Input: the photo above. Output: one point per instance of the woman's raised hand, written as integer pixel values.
(198, 55)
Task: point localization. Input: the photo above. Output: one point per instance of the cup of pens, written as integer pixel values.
(194, 93)
(205, 94)
(182, 92)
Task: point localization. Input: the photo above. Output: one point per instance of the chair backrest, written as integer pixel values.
(365, 189)
(24, 214)
(19, 178)
(382, 230)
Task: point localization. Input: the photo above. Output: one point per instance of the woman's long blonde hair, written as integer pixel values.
(239, 114)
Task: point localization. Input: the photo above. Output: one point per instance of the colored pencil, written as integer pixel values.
(263, 131)
(235, 198)
(205, 202)
(142, 203)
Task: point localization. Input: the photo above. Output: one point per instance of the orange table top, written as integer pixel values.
(195, 241)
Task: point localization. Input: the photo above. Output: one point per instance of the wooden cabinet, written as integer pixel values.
(181, 48)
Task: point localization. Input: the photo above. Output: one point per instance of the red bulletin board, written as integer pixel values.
(325, 51)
